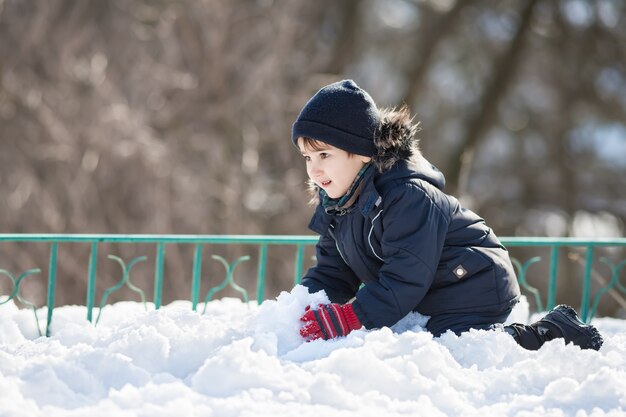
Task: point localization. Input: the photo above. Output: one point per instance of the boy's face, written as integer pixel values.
(332, 169)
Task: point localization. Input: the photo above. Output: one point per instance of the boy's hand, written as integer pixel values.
(329, 321)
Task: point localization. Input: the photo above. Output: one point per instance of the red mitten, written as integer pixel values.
(329, 321)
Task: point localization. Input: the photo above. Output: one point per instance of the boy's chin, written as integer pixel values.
(335, 196)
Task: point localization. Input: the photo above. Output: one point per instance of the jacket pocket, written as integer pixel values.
(467, 264)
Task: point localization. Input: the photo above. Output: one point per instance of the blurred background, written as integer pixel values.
(162, 116)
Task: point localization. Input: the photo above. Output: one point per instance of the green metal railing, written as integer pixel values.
(588, 305)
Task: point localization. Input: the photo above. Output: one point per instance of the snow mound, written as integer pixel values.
(244, 359)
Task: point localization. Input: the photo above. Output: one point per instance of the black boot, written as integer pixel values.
(561, 322)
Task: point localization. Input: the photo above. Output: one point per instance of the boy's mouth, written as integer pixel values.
(325, 183)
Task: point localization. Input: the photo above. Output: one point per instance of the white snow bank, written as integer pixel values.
(241, 359)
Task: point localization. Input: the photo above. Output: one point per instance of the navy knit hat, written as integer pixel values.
(340, 114)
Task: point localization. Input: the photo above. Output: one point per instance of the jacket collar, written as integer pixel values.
(369, 198)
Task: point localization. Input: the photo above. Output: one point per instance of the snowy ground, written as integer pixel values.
(245, 360)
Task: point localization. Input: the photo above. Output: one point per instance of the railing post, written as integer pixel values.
(260, 290)
(91, 282)
(584, 302)
(195, 280)
(52, 280)
(554, 262)
(297, 277)
(158, 275)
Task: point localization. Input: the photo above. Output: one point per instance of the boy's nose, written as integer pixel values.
(314, 169)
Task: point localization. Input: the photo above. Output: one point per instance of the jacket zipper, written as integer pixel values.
(332, 234)
(369, 236)
(341, 254)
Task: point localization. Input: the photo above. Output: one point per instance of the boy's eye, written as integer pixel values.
(324, 155)
(307, 158)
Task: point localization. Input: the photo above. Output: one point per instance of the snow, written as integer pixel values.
(241, 359)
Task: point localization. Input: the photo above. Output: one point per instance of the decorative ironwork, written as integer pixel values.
(124, 281)
(15, 293)
(521, 278)
(588, 306)
(230, 268)
(615, 282)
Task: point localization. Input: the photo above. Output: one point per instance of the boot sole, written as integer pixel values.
(570, 314)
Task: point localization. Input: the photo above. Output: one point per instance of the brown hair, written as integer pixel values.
(313, 144)
(317, 145)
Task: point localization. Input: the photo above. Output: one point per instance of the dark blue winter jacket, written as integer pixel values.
(415, 249)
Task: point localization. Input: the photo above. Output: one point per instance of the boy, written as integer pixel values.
(385, 222)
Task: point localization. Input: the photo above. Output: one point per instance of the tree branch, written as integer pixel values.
(504, 71)
(425, 50)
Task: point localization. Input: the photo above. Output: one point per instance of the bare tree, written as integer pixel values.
(174, 117)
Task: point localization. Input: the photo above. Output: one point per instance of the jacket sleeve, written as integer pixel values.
(331, 273)
(415, 225)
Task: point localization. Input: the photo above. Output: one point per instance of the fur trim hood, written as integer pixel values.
(397, 150)
(395, 138)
